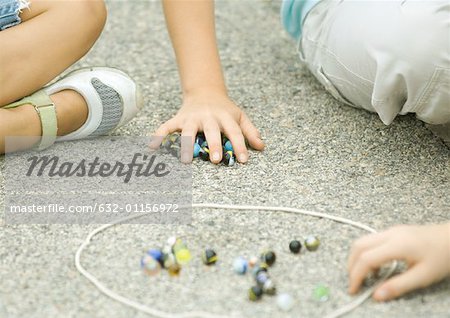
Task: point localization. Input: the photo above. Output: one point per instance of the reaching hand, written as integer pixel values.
(425, 249)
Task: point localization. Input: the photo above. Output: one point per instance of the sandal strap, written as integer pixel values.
(47, 113)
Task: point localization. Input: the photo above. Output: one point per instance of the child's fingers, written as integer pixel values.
(234, 133)
(251, 133)
(369, 261)
(167, 128)
(187, 145)
(362, 244)
(212, 134)
(416, 277)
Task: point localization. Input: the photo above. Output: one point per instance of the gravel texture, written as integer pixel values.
(320, 155)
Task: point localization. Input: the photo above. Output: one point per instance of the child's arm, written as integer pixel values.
(425, 249)
(206, 106)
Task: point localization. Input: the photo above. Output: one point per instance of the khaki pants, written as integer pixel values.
(390, 57)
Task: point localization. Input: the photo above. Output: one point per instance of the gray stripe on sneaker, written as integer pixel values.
(112, 107)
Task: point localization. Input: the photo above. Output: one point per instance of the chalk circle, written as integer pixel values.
(162, 314)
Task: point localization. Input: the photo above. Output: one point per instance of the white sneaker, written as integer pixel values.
(112, 98)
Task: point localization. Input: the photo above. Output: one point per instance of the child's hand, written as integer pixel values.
(206, 106)
(425, 249)
(212, 114)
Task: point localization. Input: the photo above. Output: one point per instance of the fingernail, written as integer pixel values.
(216, 156)
(242, 157)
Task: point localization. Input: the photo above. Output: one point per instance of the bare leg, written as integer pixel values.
(52, 36)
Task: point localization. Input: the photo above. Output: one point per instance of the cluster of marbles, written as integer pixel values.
(171, 257)
(259, 269)
(201, 150)
(172, 144)
(175, 253)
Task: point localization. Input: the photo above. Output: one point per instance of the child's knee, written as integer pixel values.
(88, 17)
(427, 51)
(93, 13)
